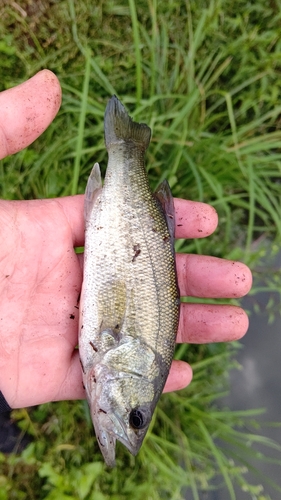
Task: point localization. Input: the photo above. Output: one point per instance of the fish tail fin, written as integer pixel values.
(119, 126)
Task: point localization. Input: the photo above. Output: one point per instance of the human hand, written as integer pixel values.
(41, 275)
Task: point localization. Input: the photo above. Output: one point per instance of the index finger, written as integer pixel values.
(194, 219)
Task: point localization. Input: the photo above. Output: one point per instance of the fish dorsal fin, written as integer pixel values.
(164, 196)
(119, 126)
(93, 189)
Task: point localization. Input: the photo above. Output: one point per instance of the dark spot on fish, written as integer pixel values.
(102, 411)
(94, 379)
(82, 326)
(83, 370)
(72, 316)
(200, 230)
(76, 307)
(179, 225)
(137, 251)
(170, 216)
(7, 276)
(93, 346)
(166, 238)
(83, 386)
(78, 298)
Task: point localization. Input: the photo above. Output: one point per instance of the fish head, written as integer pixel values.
(121, 405)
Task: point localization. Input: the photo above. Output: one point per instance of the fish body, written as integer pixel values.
(129, 302)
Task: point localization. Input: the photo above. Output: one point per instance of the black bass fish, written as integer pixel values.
(130, 303)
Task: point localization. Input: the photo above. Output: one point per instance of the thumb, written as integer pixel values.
(27, 110)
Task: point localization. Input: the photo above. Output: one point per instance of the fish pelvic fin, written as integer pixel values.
(119, 126)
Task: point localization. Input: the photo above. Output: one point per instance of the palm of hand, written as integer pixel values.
(41, 275)
(41, 280)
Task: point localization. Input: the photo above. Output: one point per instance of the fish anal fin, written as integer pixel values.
(164, 196)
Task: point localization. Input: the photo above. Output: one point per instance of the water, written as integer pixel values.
(258, 385)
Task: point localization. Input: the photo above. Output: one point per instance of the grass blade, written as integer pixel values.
(136, 36)
(81, 126)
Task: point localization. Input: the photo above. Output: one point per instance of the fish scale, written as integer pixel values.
(129, 303)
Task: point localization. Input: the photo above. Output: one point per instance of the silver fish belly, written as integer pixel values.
(129, 306)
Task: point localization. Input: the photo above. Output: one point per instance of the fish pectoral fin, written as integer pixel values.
(112, 306)
(108, 339)
(164, 196)
(93, 189)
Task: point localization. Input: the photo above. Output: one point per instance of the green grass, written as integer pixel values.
(205, 76)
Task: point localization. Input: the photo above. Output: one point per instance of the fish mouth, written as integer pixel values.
(109, 428)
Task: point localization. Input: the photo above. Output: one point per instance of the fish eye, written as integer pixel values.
(137, 419)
